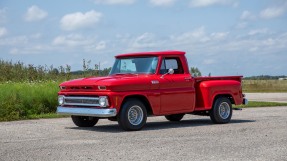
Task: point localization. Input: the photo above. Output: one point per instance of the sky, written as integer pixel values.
(221, 37)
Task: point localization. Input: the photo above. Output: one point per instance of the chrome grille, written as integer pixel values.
(81, 101)
(80, 87)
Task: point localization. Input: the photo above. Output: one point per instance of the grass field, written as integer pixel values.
(262, 104)
(264, 86)
(25, 100)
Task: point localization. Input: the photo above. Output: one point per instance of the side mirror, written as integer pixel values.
(170, 71)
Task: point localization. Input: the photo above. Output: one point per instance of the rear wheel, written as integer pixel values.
(221, 111)
(133, 115)
(174, 117)
(85, 121)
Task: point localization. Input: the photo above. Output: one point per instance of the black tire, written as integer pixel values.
(84, 121)
(221, 112)
(174, 117)
(133, 115)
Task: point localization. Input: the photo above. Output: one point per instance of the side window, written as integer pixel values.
(171, 63)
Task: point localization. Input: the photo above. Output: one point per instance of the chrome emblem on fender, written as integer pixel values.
(154, 82)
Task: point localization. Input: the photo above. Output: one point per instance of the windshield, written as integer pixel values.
(135, 65)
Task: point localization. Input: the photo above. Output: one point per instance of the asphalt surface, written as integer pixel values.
(267, 97)
(253, 134)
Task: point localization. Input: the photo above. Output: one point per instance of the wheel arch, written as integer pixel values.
(228, 96)
(141, 98)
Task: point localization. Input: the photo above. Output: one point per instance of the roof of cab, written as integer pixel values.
(154, 53)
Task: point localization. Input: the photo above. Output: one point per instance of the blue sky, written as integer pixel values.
(221, 37)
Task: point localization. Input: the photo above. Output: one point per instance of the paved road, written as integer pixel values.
(253, 134)
(267, 97)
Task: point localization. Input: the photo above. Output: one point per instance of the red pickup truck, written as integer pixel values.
(149, 84)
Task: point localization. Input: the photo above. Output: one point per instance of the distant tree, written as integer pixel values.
(96, 70)
(209, 74)
(195, 72)
(106, 71)
(62, 70)
(86, 66)
(55, 71)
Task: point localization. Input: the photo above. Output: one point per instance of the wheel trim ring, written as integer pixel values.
(135, 115)
(224, 110)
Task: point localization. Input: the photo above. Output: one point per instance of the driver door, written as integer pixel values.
(177, 91)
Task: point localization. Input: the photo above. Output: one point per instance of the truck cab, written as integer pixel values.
(145, 84)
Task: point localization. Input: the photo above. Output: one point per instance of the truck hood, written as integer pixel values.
(113, 83)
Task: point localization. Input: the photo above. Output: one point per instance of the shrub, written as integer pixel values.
(21, 100)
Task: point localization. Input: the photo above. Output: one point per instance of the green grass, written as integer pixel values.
(262, 104)
(26, 100)
(46, 116)
(264, 86)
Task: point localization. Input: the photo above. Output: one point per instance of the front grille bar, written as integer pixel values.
(81, 101)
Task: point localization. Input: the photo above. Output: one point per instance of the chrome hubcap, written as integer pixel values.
(224, 110)
(135, 115)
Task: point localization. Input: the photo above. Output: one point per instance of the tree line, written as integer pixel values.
(19, 72)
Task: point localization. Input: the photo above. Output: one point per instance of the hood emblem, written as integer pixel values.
(154, 82)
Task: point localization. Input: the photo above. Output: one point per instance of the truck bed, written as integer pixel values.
(236, 78)
(208, 87)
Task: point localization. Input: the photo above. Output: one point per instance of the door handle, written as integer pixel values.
(187, 78)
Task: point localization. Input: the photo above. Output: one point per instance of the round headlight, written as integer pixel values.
(62, 87)
(61, 100)
(103, 101)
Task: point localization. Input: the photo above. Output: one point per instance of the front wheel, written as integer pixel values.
(133, 115)
(85, 121)
(221, 111)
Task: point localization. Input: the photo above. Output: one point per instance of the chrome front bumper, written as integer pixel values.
(109, 112)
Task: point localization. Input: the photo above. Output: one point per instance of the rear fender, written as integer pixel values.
(209, 91)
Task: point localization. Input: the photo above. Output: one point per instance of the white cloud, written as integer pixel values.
(101, 45)
(146, 40)
(3, 31)
(269, 42)
(219, 35)
(241, 25)
(208, 61)
(31, 49)
(34, 13)
(263, 46)
(115, 2)
(14, 41)
(79, 20)
(246, 15)
(253, 49)
(205, 3)
(163, 3)
(273, 12)
(14, 51)
(2, 15)
(36, 36)
(72, 40)
(25, 44)
(95, 47)
(258, 31)
(78, 42)
(197, 35)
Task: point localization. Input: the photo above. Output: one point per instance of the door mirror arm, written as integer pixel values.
(170, 71)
